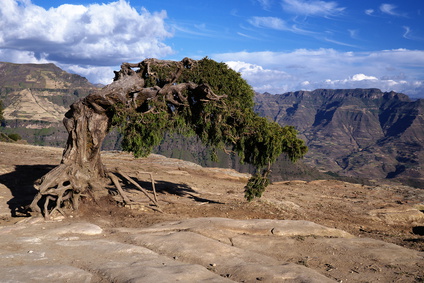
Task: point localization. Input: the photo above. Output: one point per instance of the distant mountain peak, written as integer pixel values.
(39, 76)
(38, 95)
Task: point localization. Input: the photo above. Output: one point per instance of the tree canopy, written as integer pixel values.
(224, 119)
(145, 101)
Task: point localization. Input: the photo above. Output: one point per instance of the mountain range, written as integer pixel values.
(355, 132)
(36, 97)
(360, 133)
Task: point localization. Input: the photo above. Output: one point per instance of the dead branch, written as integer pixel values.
(138, 186)
(118, 186)
(153, 184)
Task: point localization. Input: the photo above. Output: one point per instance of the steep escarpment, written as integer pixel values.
(36, 97)
(356, 132)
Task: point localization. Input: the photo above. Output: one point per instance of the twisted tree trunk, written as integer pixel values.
(88, 121)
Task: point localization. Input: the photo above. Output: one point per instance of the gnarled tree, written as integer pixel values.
(153, 97)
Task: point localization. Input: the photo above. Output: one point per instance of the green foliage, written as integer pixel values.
(256, 186)
(1, 112)
(15, 137)
(227, 122)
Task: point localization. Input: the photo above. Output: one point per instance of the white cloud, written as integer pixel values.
(278, 72)
(353, 33)
(263, 80)
(362, 77)
(265, 4)
(390, 10)
(316, 8)
(407, 32)
(97, 74)
(102, 35)
(369, 12)
(268, 22)
(17, 56)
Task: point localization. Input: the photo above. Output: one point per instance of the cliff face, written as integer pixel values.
(36, 97)
(355, 132)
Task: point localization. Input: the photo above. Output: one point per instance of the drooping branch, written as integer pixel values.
(89, 120)
(146, 100)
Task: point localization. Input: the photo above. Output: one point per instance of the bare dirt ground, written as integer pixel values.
(391, 213)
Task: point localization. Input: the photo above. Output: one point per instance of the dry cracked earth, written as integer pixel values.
(319, 231)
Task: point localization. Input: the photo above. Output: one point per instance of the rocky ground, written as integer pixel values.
(298, 231)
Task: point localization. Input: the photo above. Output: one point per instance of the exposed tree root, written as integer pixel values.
(144, 103)
(56, 187)
(61, 193)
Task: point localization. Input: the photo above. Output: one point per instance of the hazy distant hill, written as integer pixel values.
(35, 97)
(355, 132)
(39, 76)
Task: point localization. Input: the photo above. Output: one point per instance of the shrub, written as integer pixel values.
(15, 137)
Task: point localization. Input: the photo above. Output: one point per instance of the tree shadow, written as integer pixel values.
(21, 184)
(165, 187)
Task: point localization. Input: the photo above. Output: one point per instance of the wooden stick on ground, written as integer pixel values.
(138, 186)
(118, 186)
(153, 184)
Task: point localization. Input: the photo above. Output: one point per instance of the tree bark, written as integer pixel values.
(88, 121)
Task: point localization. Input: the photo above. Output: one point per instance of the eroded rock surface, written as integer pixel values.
(297, 232)
(197, 250)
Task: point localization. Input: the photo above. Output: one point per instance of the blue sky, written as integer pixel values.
(277, 45)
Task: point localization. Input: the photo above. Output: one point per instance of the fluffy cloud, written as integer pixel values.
(279, 72)
(316, 8)
(101, 35)
(263, 80)
(97, 74)
(362, 77)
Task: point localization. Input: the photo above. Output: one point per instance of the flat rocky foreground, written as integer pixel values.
(320, 231)
(197, 250)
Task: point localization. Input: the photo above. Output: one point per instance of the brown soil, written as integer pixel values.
(391, 213)
(185, 190)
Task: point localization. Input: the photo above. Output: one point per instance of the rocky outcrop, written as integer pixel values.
(298, 231)
(356, 132)
(195, 250)
(36, 98)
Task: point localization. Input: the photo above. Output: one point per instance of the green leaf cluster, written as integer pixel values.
(255, 186)
(15, 137)
(1, 111)
(227, 123)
